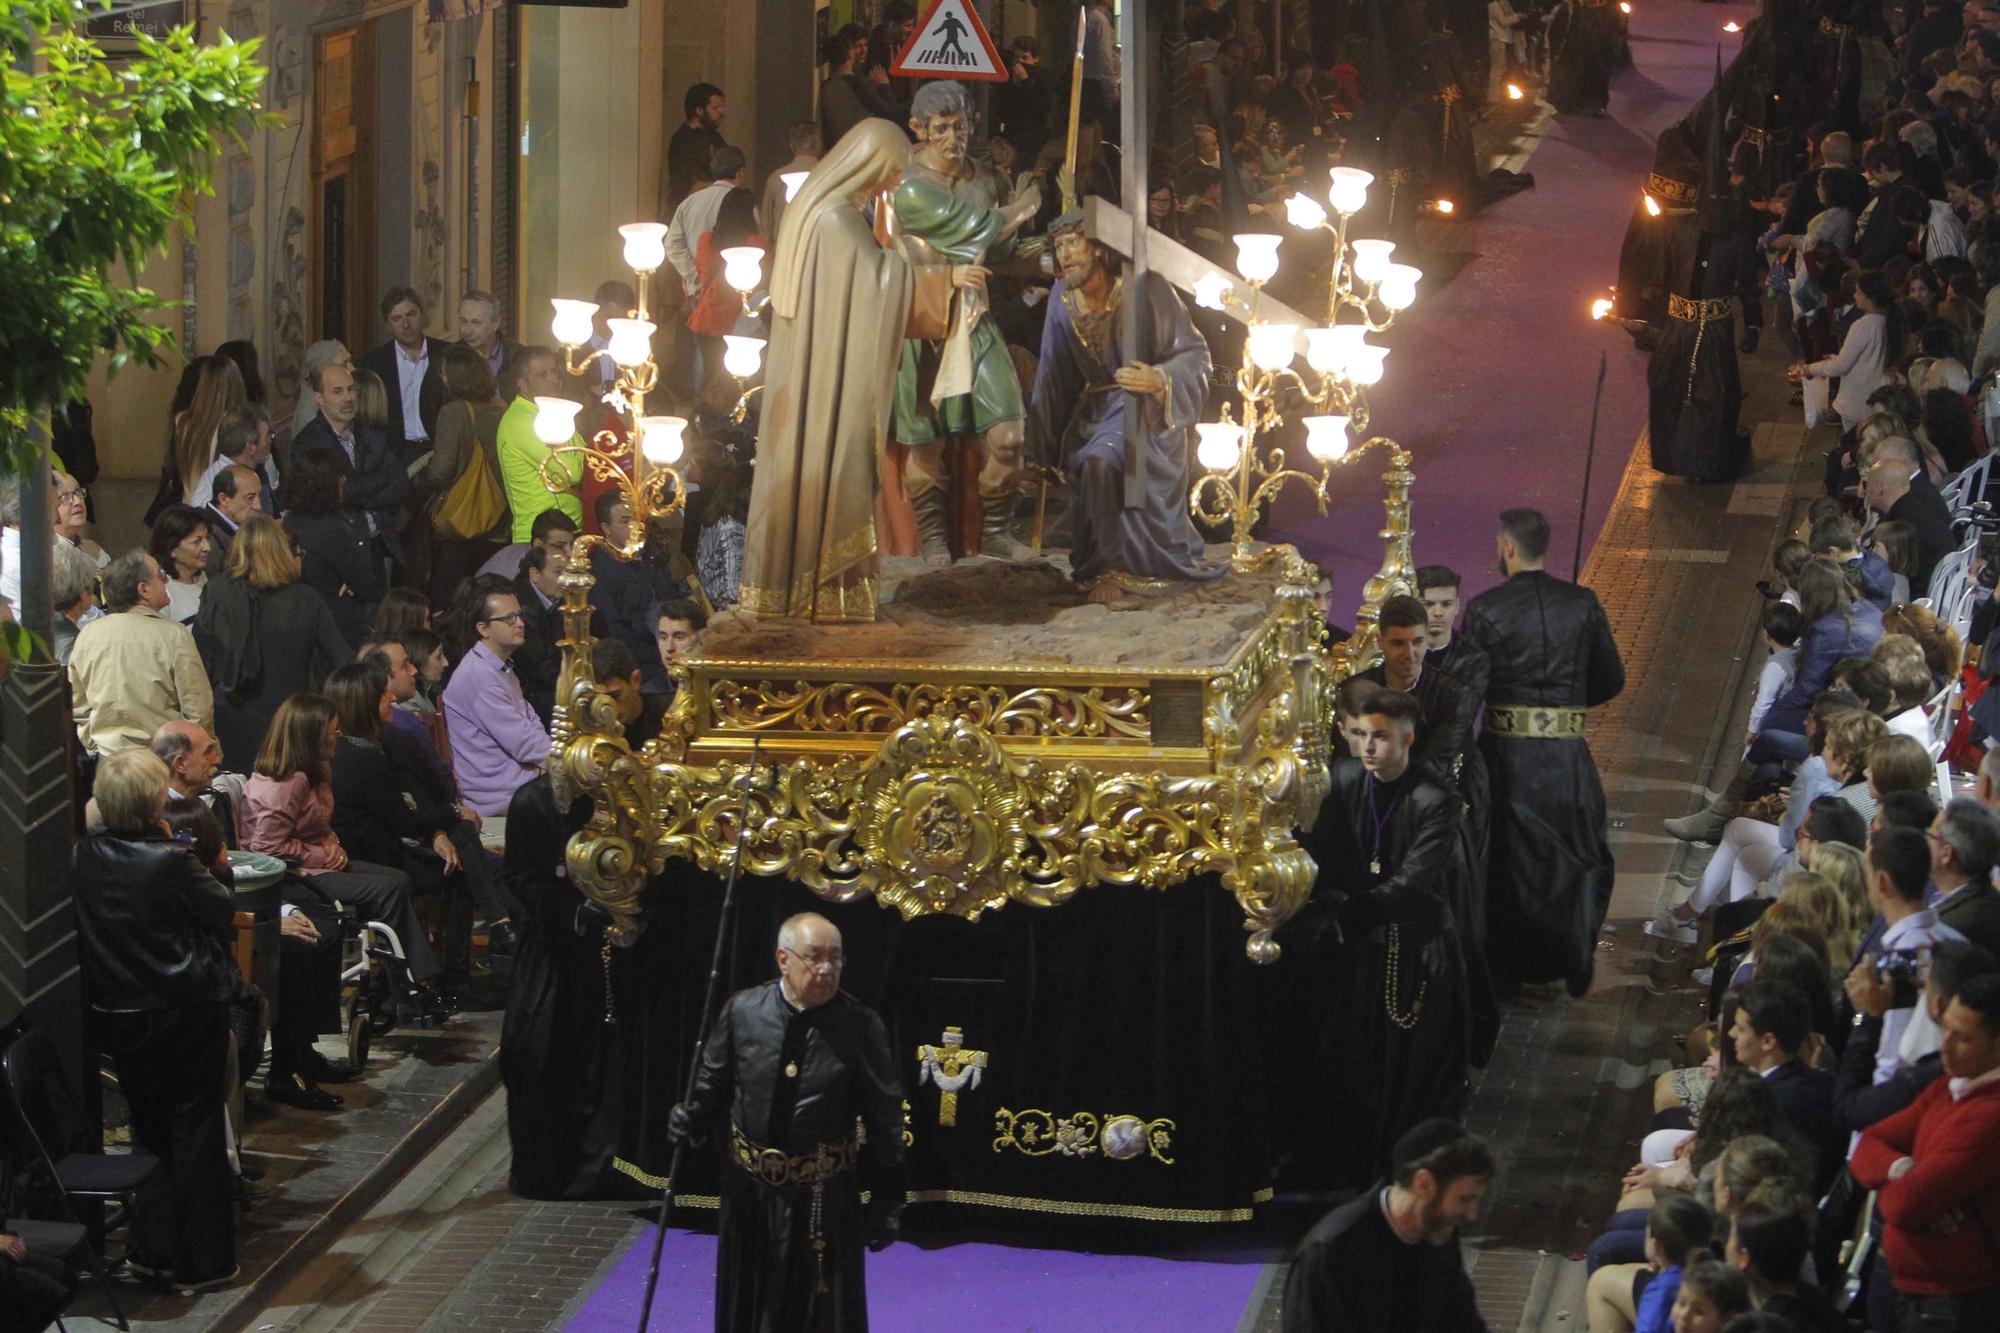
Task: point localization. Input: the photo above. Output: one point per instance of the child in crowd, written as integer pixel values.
(1710, 1294)
(1781, 637)
(1677, 1229)
(1787, 559)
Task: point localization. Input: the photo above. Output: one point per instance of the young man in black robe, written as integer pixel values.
(1390, 1047)
(788, 1068)
(1549, 867)
(1389, 1258)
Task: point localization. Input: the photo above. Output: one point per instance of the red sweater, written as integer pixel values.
(1956, 1149)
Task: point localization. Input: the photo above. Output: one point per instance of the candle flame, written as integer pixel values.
(1732, 26)
(1652, 205)
(1600, 308)
(1515, 92)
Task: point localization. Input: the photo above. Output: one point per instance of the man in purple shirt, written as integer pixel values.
(497, 742)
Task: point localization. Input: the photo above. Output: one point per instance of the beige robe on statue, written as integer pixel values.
(830, 375)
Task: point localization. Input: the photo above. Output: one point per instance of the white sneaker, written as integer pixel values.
(1664, 927)
(1704, 976)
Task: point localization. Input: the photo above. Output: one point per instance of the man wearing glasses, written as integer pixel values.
(497, 743)
(787, 1069)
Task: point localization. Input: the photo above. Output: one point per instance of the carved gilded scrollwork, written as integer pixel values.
(1119, 1138)
(851, 709)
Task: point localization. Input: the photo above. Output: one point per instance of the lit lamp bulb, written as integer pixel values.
(1732, 26)
(1624, 6)
(571, 326)
(1303, 212)
(1349, 192)
(1445, 207)
(660, 439)
(645, 245)
(1220, 445)
(742, 356)
(793, 180)
(631, 341)
(1515, 92)
(1272, 345)
(555, 420)
(1371, 259)
(1652, 205)
(1327, 350)
(1257, 255)
(1364, 367)
(1326, 438)
(1600, 307)
(1211, 291)
(743, 267)
(1399, 287)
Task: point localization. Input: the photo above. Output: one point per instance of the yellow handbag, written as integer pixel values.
(475, 501)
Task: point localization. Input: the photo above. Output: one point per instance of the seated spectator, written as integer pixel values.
(180, 545)
(380, 818)
(1858, 1100)
(402, 609)
(1898, 489)
(497, 743)
(1834, 539)
(1908, 677)
(134, 669)
(1942, 649)
(1710, 1295)
(414, 735)
(73, 593)
(1904, 809)
(1965, 845)
(337, 557)
(264, 636)
(1769, 1241)
(678, 626)
(1781, 662)
(1899, 865)
(154, 931)
(35, 1286)
(1866, 681)
(238, 494)
(1896, 543)
(288, 812)
(1937, 1178)
(1640, 1297)
(538, 661)
(1770, 1021)
(549, 527)
(1895, 763)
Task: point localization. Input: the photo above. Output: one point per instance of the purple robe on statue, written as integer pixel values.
(1076, 422)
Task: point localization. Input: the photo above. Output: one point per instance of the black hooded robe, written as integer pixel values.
(1694, 385)
(1586, 41)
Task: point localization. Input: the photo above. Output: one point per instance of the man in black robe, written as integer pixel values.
(1586, 40)
(786, 1071)
(1385, 957)
(1549, 867)
(1389, 1258)
(558, 1043)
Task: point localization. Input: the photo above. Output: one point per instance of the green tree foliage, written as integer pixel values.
(96, 159)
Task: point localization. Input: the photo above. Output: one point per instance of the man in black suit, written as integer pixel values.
(1769, 1022)
(411, 366)
(238, 493)
(1965, 842)
(376, 481)
(538, 661)
(1897, 487)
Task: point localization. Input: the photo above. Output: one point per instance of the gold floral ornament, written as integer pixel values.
(1120, 1138)
(953, 1067)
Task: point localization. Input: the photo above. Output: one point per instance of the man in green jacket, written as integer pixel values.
(532, 374)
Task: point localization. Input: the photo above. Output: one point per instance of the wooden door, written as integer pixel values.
(343, 221)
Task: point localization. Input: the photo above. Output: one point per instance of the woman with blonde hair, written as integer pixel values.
(1845, 869)
(263, 635)
(371, 399)
(1849, 738)
(1824, 904)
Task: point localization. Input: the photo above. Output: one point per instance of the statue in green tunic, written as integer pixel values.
(961, 389)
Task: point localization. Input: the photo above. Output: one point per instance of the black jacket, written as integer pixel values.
(155, 927)
(376, 482)
(1858, 1100)
(1930, 520)
(1546, 642)
(1805, 1095)
(1974, 912)
(335, 553)
(373, 811)
(430, 395)
(1353, 1274)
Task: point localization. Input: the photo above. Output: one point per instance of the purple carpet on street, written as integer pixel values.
(991, 1288)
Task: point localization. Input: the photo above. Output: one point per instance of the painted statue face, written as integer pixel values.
(948, 134)
(1079, 257)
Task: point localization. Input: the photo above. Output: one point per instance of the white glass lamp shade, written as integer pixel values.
(631, 341)
(1349, 191)
(741, 356)
(1364, 367)
(645, 245)
(1257, 255)
(1326, 438)
(1220, 446)
(1327, 349)
(743, 267)
(571, 325)
(555, 420)
(1304, 212)
(1399, 287)
(1371, 259)
(1273, 345)
(792, 180)
(660, 439)
(1211, 291)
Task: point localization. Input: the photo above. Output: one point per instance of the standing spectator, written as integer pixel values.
(337, 559)
(180, 546)
(538, 661)
(154, 930)
(70, 515)
(1868, 351)
(846, 98)
(468, 427)
(1101, 67)
(1021, 105)
(263, 635)
(1899, 862)
(1937, 1178)
(73, 591)
(376, 481)
(694, 219)
(135, 669)
(805, 145)
(532, 374)
(718, 306)
(614, 300)
(479, 329)
(218, 391)
(693, 146)
(411, 365)
(238, 494)
(305, 406)
(1965, 843)
(497, 743)
(622, 590)
(243, 440)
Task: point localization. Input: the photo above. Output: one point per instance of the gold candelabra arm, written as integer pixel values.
(741, 411)
(1275, 482)
(575, 367)
(1217, 486)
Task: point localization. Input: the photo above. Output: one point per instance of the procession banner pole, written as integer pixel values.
(1075, 100)
(701, 1038)
(1589, 457)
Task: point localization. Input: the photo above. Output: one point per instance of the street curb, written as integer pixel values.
(446, 1116)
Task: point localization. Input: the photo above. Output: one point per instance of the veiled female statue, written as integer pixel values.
(840, 299)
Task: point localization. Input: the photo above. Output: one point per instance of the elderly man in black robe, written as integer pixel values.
(1385, 955)
(1549, 867)
(1077, 421)
(788, 1069)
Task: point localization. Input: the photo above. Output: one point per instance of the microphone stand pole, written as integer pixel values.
(707, 1021)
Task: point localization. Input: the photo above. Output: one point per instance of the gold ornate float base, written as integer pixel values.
(990, 739)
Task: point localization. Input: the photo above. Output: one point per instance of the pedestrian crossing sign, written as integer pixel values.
(950, 43)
